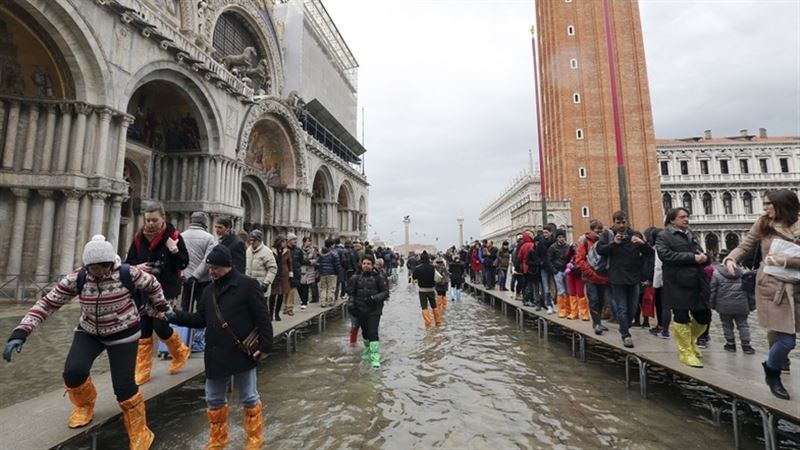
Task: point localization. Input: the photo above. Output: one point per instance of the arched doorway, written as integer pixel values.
(270, 151)
(344, 207)
(320, 198)
(255, 204)
(666, 202)
(712, 243)
(731, 241)
(166, 119)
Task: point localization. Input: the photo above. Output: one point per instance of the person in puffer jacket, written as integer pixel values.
(733, 305)
(110, 321)
(368, 291)
(329, 268)
(442, 285)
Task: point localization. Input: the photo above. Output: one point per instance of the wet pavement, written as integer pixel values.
(478, 382)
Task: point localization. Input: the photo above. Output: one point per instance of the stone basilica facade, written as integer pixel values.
(243, 108)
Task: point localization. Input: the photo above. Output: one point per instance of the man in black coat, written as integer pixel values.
(294, 276)
(627, 251)
(223, 227)
(368, 291)
(241, 305)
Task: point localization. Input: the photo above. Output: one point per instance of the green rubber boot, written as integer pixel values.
(365, 354)
(375, 354)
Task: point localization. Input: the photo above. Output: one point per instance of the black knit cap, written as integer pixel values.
(219, 256)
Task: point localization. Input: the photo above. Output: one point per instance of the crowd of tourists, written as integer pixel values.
(230, 286)
(661, 279)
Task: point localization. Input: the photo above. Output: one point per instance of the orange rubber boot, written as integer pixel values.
(254, 427)
(426, 316)
(217, 428)
(179, 351)
(135, 418)
(573, 308)
(82, 398)
(144, 360)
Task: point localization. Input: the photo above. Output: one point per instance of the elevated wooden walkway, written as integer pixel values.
(51, 410)
(735, 375)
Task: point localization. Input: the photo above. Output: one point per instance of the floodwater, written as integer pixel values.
(478, 382)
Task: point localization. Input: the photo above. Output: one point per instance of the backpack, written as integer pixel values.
(124, 276)
(597, 262)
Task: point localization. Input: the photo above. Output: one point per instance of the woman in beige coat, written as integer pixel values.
(778, 301)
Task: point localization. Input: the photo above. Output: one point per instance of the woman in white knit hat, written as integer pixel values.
(110, 321)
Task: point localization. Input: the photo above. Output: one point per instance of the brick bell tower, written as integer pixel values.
(596, 117)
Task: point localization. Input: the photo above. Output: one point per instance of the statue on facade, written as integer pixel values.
(295, 102)
(44, 84)
(245, 59)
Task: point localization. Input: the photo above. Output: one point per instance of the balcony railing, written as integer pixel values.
(731, 177)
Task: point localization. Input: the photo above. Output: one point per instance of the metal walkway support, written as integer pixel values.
(767, 423)
(581, 341)
(643, 365)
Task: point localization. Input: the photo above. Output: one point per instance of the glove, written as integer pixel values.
(172, 245)
(170, 315)
(13, 344)
(265, 287)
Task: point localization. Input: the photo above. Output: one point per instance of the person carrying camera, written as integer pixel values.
(159, 249)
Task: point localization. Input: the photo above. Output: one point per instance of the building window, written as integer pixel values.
(573, 63)
(784, 162)
(584, 212)
(687, 201)
(708, 204)
(743, 167)
(666, 201)
(723, 166)
(664, 167)
(570, 31)
(684, 167)
(727, 203)
(747, 201)
(764, 166)
(576, 98)
(582, 172)
(704, 167)
(579, 134)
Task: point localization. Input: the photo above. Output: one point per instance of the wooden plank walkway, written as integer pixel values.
(736, 375)
(53, 408)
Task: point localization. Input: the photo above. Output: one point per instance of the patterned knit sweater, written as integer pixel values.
(107, 307)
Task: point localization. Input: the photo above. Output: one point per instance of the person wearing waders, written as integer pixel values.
(424, 276)
(159, 249)
(442, 282)
(456, 269)
(114, 327)
(368, 291)
(230, 309)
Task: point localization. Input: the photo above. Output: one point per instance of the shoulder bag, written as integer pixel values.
(251, 345)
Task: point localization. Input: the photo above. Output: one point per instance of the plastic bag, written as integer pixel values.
(780, 247)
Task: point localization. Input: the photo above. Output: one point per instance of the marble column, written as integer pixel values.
(14, 266)
(84, 225)
(10, 145)
(30, 138)
(184, 179)
(114, 216)
(45, 242)
(98, 212)
(101, 156)
(122, 140)
(69, 231)
(48, 144)
(65, 126)
(206, 179)
(89, 157)
(79, 137)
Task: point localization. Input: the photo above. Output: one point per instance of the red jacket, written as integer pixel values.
(581, 249)
(475, 262)
(522, 253)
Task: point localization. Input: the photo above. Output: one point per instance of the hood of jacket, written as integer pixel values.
(722, 270)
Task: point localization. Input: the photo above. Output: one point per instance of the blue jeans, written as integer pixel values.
(561, 283)
(625, 297)
(548, 297)
(784, 343)
(501, 277)
(217, 389)
(595, 293)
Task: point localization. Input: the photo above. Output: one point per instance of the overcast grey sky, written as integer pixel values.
(447, 88)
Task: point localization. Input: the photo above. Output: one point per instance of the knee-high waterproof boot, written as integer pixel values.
(254, 427)
(583, 308)
(573, 308)
(375, 354)
(217, 428)
(437, 316)
(562, 305)
(365, 353)
(178, 351)
(82, 398)
(135, 418)
(697, 330)
(682, 332)
(426, 317)
(353, 336)
(144, 360)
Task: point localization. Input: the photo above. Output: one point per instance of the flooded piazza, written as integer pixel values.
(478, 382)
